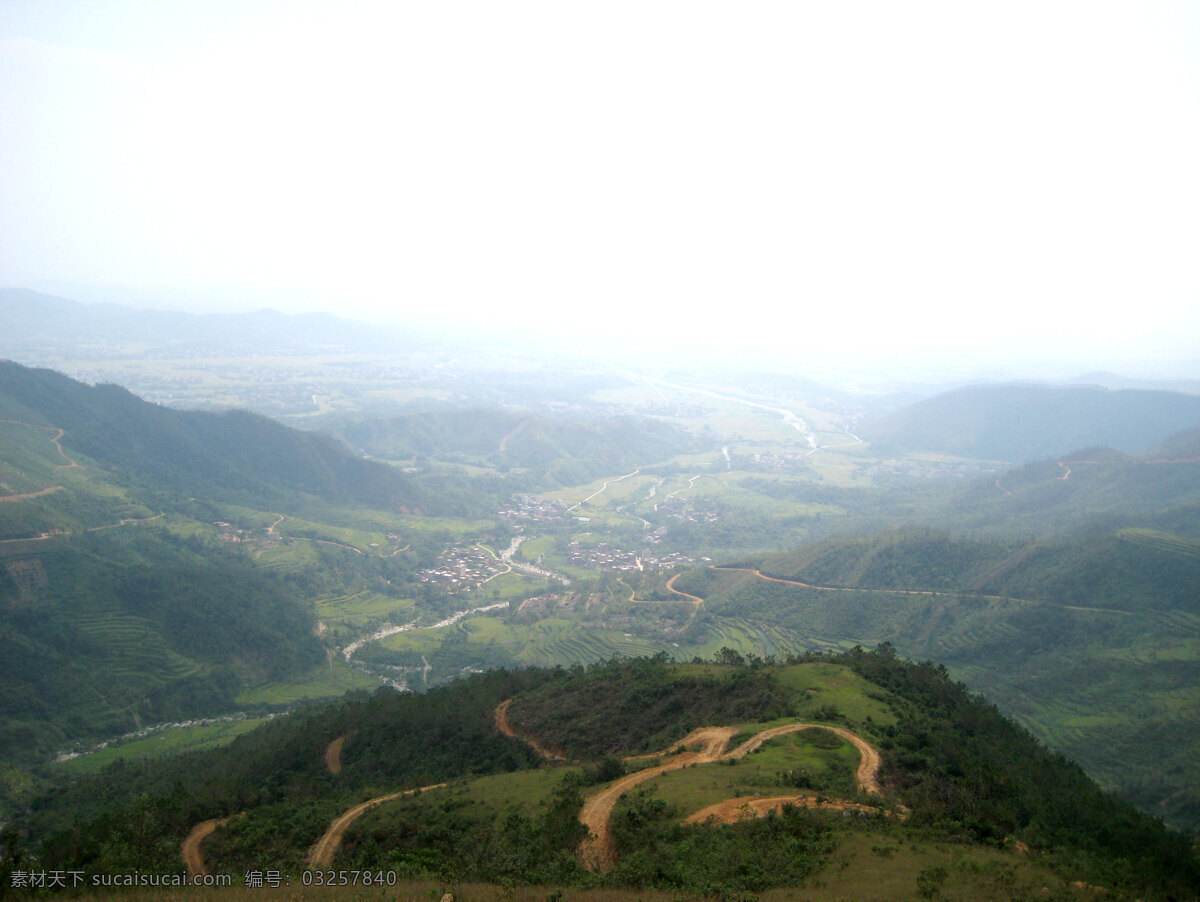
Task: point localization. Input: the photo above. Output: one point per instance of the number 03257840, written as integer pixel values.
(348, 878)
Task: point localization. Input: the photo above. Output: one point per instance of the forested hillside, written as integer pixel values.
(108, 631)
(1090, 642)
(1075, 490)
(954, 775)
(139, 586)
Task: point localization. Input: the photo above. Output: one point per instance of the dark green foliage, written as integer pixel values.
(607, 768)
(447, 731)
(1122, 570)
(393, 739)
(1098, 626)
(143, 627)
(1127, 569)
(641, 706)
(280, 833)
(13, 857)
(965, 769)
(453, 840)
(141, 836)
(656, 851)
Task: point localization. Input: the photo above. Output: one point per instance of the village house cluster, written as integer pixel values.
(230, 533)
(459, 567)
(530, 509)
(605, 557)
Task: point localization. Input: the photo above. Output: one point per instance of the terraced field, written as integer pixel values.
(348, 617)
(330, 680)
(556, 641)
(1189, 548)
(290, 558)
(134, 645)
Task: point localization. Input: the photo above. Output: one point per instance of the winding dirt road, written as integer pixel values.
(191, 846)
(55, 438)
(598, 852)
(932, 593)
(321, 855)
(22, 496)
(333, 755)
(505, 727)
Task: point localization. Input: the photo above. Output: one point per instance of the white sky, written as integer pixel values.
(1012, 180)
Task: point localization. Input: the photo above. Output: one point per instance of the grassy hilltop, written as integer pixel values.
(962, 804)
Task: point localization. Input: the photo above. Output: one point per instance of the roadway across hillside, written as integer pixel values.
(322, 853)
(933, 593)
(598, 852)
(701, 746)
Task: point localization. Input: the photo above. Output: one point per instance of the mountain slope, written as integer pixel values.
(1075, 488)
(106, 633)
(1019, 423)
(235, 456)
(1093, 643)
(128, 598)
(952, 772)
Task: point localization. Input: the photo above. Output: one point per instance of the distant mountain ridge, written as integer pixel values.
(1115, 381)
(33, 319)
(1020, 423)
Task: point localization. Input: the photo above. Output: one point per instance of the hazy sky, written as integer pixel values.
(1014, 180)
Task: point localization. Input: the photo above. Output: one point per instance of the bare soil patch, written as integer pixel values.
(597, 852)
(731, 811)
(333, 755)
(191, 846)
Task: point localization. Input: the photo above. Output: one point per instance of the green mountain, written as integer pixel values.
(106, 632)
(1019, 423)
(1075, 489)
(237, 456)
(1091, 643)
(155, 565)
(536, 451)
(857, 776)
